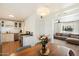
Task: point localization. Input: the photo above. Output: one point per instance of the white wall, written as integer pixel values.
(35, 25)
(30, 24)
(49, 26)
(57, 28)
(40, 26)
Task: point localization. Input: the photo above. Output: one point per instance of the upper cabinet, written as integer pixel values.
(11, 26)
(15, 24)
(7, 23)
(2, 23)
(18, 24)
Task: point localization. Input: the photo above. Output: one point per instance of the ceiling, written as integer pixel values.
(22, 11)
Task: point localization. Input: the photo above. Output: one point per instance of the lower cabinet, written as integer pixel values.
(7, 37)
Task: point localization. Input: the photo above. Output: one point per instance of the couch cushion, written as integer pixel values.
(75, 36)
(73, 41)
(58, 34)
(66, 35)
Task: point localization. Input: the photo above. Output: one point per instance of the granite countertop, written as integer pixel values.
(25, 35)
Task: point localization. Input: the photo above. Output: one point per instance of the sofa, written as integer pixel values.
(61, 36)
(74, 39)
(70, 38)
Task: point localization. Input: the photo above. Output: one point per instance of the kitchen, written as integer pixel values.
(9, 29)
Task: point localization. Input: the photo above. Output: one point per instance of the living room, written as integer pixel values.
(21, 30)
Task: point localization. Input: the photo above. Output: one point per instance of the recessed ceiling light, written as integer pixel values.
(10, 15)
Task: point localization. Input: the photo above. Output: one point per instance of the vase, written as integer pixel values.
(44, 51)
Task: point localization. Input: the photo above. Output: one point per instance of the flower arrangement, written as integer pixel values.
(43, 40)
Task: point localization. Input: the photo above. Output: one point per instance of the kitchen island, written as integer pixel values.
(28, 40)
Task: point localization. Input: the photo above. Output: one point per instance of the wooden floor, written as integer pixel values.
(10, 47)
(0, 50)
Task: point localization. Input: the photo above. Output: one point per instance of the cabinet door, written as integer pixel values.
(19, 24)
(2, 23)
(7, 37)
(15, 24)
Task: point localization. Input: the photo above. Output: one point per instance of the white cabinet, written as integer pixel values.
(29, 40)
(7, 37)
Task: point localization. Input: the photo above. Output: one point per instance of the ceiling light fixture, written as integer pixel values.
(43, 11)
(10, 15)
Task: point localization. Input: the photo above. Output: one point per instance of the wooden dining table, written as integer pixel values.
(35, 50)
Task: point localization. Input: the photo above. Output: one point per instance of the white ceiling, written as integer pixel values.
(24, 10)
